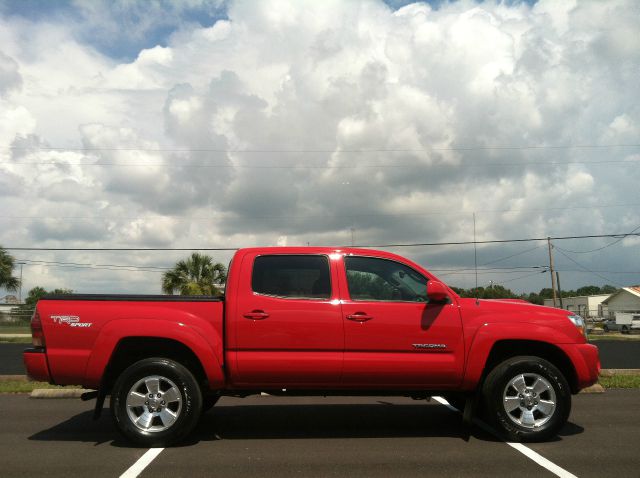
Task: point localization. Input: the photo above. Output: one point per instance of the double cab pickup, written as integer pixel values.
(314, 321)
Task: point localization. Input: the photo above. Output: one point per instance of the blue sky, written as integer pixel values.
(126, 46)
(398, 125)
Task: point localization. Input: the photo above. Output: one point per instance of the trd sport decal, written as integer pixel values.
(70, 320)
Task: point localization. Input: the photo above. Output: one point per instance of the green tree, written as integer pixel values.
(34, 296)
(588, 290)
(7, 263)
(38, 292)
(25, 311)
(197, 275)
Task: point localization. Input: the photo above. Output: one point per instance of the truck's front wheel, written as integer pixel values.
(528, 398)
(156, 402)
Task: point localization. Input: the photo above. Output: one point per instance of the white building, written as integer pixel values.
(626, 299)
(588, 306)
(8, 304)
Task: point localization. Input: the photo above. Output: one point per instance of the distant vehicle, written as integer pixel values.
(609, 325)
(622, 322)
(635, 324)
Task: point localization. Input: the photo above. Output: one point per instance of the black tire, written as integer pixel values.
(172, 419)
(500, 394)
(606, 328)
(624, 330)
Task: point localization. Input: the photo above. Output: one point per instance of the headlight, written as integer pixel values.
(579, 323)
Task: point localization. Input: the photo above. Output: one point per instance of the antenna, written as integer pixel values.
(475, 256)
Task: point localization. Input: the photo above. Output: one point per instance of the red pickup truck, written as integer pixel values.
(314, 321)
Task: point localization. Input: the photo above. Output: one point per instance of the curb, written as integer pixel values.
(14, 378)
(58, 393)
(595, 388)
(610, 372)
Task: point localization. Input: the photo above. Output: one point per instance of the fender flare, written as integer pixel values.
(209, 352)
(491, 333)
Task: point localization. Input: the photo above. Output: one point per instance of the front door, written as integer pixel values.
(289, 326)
(395, 338)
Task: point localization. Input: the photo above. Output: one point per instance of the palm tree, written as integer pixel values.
(6, 268)
(198, 275)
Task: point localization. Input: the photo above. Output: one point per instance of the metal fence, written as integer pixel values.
(17, 317)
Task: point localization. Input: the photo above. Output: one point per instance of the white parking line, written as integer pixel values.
(526, 451)
(139, 466)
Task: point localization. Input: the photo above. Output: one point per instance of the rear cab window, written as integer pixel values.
(292, 276)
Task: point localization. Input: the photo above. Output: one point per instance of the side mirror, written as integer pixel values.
(436, 291)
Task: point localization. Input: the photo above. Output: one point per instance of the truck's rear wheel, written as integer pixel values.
(528, 398)
(156, 402)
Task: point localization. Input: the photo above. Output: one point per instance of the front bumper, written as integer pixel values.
(35, 361)
(586, 361)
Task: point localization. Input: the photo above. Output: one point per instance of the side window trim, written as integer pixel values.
(284, 297)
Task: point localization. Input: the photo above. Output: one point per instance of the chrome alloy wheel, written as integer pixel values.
(154, 403)
(529, 400)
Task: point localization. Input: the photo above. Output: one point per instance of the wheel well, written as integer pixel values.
(132, 349)
(504, 349)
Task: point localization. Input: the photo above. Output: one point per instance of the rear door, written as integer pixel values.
(394, 338)
(289, 326)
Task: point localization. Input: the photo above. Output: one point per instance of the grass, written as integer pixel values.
(22, 386)
(15, 340)
(620, 381)
(620, 337)
(15, 329)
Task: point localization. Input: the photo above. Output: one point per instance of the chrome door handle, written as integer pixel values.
(359, 317)
(256, 315)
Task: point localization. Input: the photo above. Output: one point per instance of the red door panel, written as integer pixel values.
(286, 342)
(400, 344)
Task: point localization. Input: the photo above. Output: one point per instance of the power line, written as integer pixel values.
(289, 216)
(445, 271)
(416, 244)
(513, 255)
(471, 269)
(522, 277)
(475, 165)
(590, 271)
(319, 150)
(113, 267)
(498, 241)
(546, 269)
(600, 248)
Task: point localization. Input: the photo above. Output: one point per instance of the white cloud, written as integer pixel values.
(434, 95)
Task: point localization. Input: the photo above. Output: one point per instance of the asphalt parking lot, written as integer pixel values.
(282, 437)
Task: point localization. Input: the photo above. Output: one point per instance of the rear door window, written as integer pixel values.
(292, 276)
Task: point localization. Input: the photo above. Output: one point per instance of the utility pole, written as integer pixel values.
(559, 289)
(553, 277)
(20, 286)
(475, 252)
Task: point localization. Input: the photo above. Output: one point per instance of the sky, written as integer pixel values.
(225, 124)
